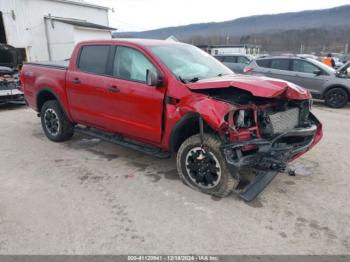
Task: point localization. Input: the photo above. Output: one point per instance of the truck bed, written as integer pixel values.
(41, 75)
(55, 64)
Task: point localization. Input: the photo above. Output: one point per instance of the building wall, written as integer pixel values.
(63, 37)
(27, 29)
(84, 34)
(60, 39)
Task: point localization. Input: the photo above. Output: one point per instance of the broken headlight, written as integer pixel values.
(243, 119)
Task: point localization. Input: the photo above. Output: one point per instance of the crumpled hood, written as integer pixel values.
(257, 86)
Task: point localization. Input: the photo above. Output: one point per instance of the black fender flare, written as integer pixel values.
(175, 135)
(48, 90)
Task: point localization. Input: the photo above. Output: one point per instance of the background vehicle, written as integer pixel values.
(344, 71)
(322, 81)
(236, 62)
(230, 132)
(9, 80)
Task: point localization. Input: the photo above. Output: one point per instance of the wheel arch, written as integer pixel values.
(46, 94)
(186, 127)
(336, 86)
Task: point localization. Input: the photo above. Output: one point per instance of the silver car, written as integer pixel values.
(236, 62)
(323, 81)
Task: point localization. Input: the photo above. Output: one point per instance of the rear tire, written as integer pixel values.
(336, 97)
(210, 175)
(55, 123)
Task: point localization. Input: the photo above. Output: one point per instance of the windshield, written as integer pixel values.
(322, 66)
(189, 63)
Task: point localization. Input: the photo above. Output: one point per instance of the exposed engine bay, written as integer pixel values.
(9, 76)
(264, 133)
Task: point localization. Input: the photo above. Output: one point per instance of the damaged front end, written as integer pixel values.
(263, 135)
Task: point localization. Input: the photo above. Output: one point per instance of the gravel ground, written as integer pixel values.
(90, 197)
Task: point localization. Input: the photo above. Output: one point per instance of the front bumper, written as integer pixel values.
(13, 96)
(271, 154)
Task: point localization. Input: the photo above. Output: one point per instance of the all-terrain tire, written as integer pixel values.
(225, 184)
(55, 123)
(336, 97)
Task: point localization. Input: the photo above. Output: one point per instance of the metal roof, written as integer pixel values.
(80, 23)
(82, 4)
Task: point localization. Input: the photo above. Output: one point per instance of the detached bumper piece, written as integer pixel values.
(267, 157)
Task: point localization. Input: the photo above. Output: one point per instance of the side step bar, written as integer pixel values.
(119, 140)
(251, 191)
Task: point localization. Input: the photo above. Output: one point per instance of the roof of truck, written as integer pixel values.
(137, 41)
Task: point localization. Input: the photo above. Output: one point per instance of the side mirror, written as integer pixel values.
(153, 79)
(318, 72)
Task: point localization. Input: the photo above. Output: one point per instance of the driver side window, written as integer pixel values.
(130, 64)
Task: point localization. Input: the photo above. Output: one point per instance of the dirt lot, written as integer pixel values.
(90, 197)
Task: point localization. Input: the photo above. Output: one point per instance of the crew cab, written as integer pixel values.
(230, 132)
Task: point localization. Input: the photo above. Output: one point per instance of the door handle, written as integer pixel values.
(76, 81)
(113, 89)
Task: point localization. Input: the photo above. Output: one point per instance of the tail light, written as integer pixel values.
(248, 69)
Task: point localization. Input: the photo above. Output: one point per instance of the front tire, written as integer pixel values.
(55, 123)
(336, 97)
(210, 174)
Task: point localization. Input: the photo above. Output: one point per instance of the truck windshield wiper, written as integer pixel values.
(221, 74)
(192, 80)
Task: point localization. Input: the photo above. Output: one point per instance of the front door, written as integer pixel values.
(134, 109)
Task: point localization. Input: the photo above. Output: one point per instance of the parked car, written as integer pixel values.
(344, 71)
(236, 62)
(162, 97)
(345, 58)
(9, 81)
(321, 80)
(338, 63)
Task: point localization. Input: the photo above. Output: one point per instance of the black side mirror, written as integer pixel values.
(153, 79)
(318, 72)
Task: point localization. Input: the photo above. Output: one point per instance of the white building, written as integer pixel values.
(49, 29)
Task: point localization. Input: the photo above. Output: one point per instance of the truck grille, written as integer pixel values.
(284, 121)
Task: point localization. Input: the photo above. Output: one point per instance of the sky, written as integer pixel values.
(141, 15)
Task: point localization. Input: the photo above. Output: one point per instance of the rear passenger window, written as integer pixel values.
(242, 60)
(263, 63)
(280, 64)
(93, 59)
(220, 58)
(230, 59)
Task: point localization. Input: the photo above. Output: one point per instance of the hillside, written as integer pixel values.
(326, 18)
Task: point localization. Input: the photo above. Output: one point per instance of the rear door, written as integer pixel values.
(133, 108)
(87, 85)
(281, 68)
(305, 76)
(260, 67)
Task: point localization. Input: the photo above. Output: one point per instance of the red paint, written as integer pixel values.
(139, 111)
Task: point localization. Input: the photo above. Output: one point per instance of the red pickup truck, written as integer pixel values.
(230, 132)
